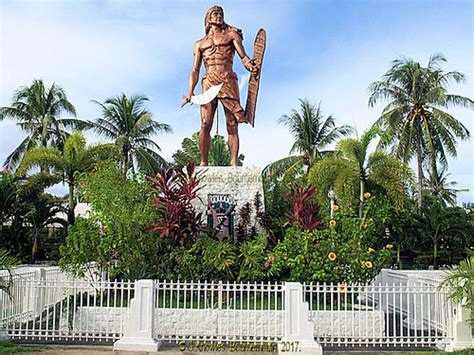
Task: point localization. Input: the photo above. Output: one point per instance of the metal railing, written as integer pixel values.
(389, 315)
(219, 311)
(57, 310)
(381, 315)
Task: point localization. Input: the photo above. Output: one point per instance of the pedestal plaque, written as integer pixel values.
(239, 184)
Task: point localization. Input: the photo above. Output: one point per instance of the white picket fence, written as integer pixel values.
(381, 314)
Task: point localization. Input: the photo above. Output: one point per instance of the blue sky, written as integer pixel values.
(328, 51)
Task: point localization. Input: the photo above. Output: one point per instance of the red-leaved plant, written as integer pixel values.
(304, 211)
(173, 192)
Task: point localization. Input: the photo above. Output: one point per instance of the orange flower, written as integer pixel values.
(332, 223)
(367, 195)
(368, 264)
(371, 250)
(342, 287)
(335, 207)
(332, 256)
(389, 246)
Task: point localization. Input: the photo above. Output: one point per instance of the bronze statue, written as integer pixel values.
(217, 51)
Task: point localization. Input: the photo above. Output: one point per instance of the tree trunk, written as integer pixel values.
(71, 218)
(361, 196)
(435, 255)
(419, 158)
(125, 162)
(398, 257)
(34, 249)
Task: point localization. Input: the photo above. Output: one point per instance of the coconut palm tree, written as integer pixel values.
(218, 153)
(126, 121)
(353, 170)
(75, 158)
(415, 117)
(37, 110)
(312, 133)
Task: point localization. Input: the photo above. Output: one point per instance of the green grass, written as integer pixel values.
(9, 347)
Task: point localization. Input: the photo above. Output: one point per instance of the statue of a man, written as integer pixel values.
(217, 50)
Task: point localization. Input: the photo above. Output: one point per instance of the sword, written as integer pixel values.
(206, 97)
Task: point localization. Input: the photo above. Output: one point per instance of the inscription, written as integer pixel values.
(232, 178)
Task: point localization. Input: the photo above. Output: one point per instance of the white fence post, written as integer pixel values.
(299, 329)
(138, 327)
(460, 329)
(37, 291)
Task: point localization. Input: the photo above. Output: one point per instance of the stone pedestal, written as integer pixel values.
(240, 183)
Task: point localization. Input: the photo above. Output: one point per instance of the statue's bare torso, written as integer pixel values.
(218, 51)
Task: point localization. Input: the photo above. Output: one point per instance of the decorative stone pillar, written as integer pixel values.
(299, 329)
(138, 327)
(461, 331)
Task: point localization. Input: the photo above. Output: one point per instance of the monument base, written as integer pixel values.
(238, 185)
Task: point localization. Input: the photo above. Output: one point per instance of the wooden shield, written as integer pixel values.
(254, 81)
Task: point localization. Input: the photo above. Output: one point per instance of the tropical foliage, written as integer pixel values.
(352, 171)
(218, 152)
(117, 235)
(312, 134)
(460, 281)
(65, 165)
(173, 193)
(127, 122)
(144, 223)
(37, 110)
(415, 118)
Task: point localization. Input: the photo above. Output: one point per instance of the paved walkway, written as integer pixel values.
(102, 350)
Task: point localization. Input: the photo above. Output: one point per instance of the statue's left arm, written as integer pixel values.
(239, 47)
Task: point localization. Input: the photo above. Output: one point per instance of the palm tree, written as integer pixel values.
(7, 262)
(7, 196)
(352, 170)
(437, 183)
(312, 133)
(218, 153)
(414, 118)
(75, 158)
(440, 223)
(37, 110)
(130, 125)
(42, 212)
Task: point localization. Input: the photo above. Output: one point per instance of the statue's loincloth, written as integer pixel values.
(228, 94)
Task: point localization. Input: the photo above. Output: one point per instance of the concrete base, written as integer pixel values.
(137, 344)
(4, 335)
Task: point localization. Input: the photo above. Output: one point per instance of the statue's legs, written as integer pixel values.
(207, 117)
(232, 136)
